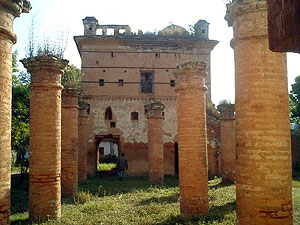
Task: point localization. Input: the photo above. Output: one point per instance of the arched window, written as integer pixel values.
(108, 114)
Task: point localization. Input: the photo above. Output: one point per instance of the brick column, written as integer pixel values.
(82, 143)
(264, 173)
(191, 116)
(228, 150)
(45, 136)
(69, 142)
(9, 10)
(155, 142)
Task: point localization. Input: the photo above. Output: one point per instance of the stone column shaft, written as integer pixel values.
(264, 175)
(228, 150)
(82, 145)
(69, 143)
(155, 142)
(192, 143)
(9, 10)
(45, 137)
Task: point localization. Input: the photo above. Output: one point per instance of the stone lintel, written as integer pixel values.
(239, 7)
(154, 109)
(16, 7)
(45, 63)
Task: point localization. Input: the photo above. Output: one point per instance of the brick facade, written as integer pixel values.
(192, 140)
(69, 143)
(9, 10)
(264, 176)
(115, 72)
(155, 142)
(45, 137)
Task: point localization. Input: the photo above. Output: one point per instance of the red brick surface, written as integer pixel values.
(191, 115)
(45, 137)
(69, 143)
(82, 145)
(155, 143)
(264, 182)
(8, 11)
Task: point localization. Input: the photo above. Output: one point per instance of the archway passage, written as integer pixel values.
(107, 151)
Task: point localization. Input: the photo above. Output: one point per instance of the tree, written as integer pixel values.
(71, 77)
(295, 101)
(20, 112)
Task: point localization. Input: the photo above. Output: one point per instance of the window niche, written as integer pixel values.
(108, 114)
(147, 82)
(101, 82)
(120, 83)
(134, 116)
(112, 124)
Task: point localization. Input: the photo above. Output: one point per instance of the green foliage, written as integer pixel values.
(106, 166)
(108, 159)
(20, 114)
(295, 101)
(71, 77)
(211, 109)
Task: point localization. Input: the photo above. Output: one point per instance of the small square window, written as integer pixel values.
(120, 83)
(134, 115)
(112, 124)
(101, 82)
(172, 83)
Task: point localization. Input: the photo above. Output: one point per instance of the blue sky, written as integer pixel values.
(50, 16)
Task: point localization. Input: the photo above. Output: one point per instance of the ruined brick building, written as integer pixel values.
(122, 72)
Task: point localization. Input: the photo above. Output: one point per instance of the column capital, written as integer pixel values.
(197, 68)
(70, 97)
(239, 7)
(226, 111)
(16, 7)
(154, 109)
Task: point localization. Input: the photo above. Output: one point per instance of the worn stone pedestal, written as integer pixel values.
(228, 150)
(82, 144)
(69, 143)
(155, 142)
(264, 173)
(191, 115)
(45, 137)
(9, 10)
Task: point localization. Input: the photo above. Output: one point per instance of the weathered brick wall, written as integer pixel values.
(283, 25)
(69, 143)
(45, 137)
(264, 182)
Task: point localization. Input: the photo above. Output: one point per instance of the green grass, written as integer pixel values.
(106, 166)
(105, 200)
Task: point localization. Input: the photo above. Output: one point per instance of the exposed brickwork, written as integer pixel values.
(155, 142)
(8, 11)
(82, 145)
(264, 182)
(228, 150)
(69, 142)
(191, 116)
(45, 137)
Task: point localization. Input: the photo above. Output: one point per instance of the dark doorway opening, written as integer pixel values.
(176, 159)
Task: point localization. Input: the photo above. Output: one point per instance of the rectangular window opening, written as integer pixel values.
(120, 83)
(112, 124)
(172, 83)
(134, 116)
(147, 82)
(101, 82)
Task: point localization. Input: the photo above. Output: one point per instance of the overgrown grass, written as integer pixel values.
(106, 200)
(106, 166)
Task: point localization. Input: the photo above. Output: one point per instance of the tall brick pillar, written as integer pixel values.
(264, 175)
(82, 143)
(9, 10)
(45, 136)
(155, 142)
(69, 142)
(228, 150)
(191, 116)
